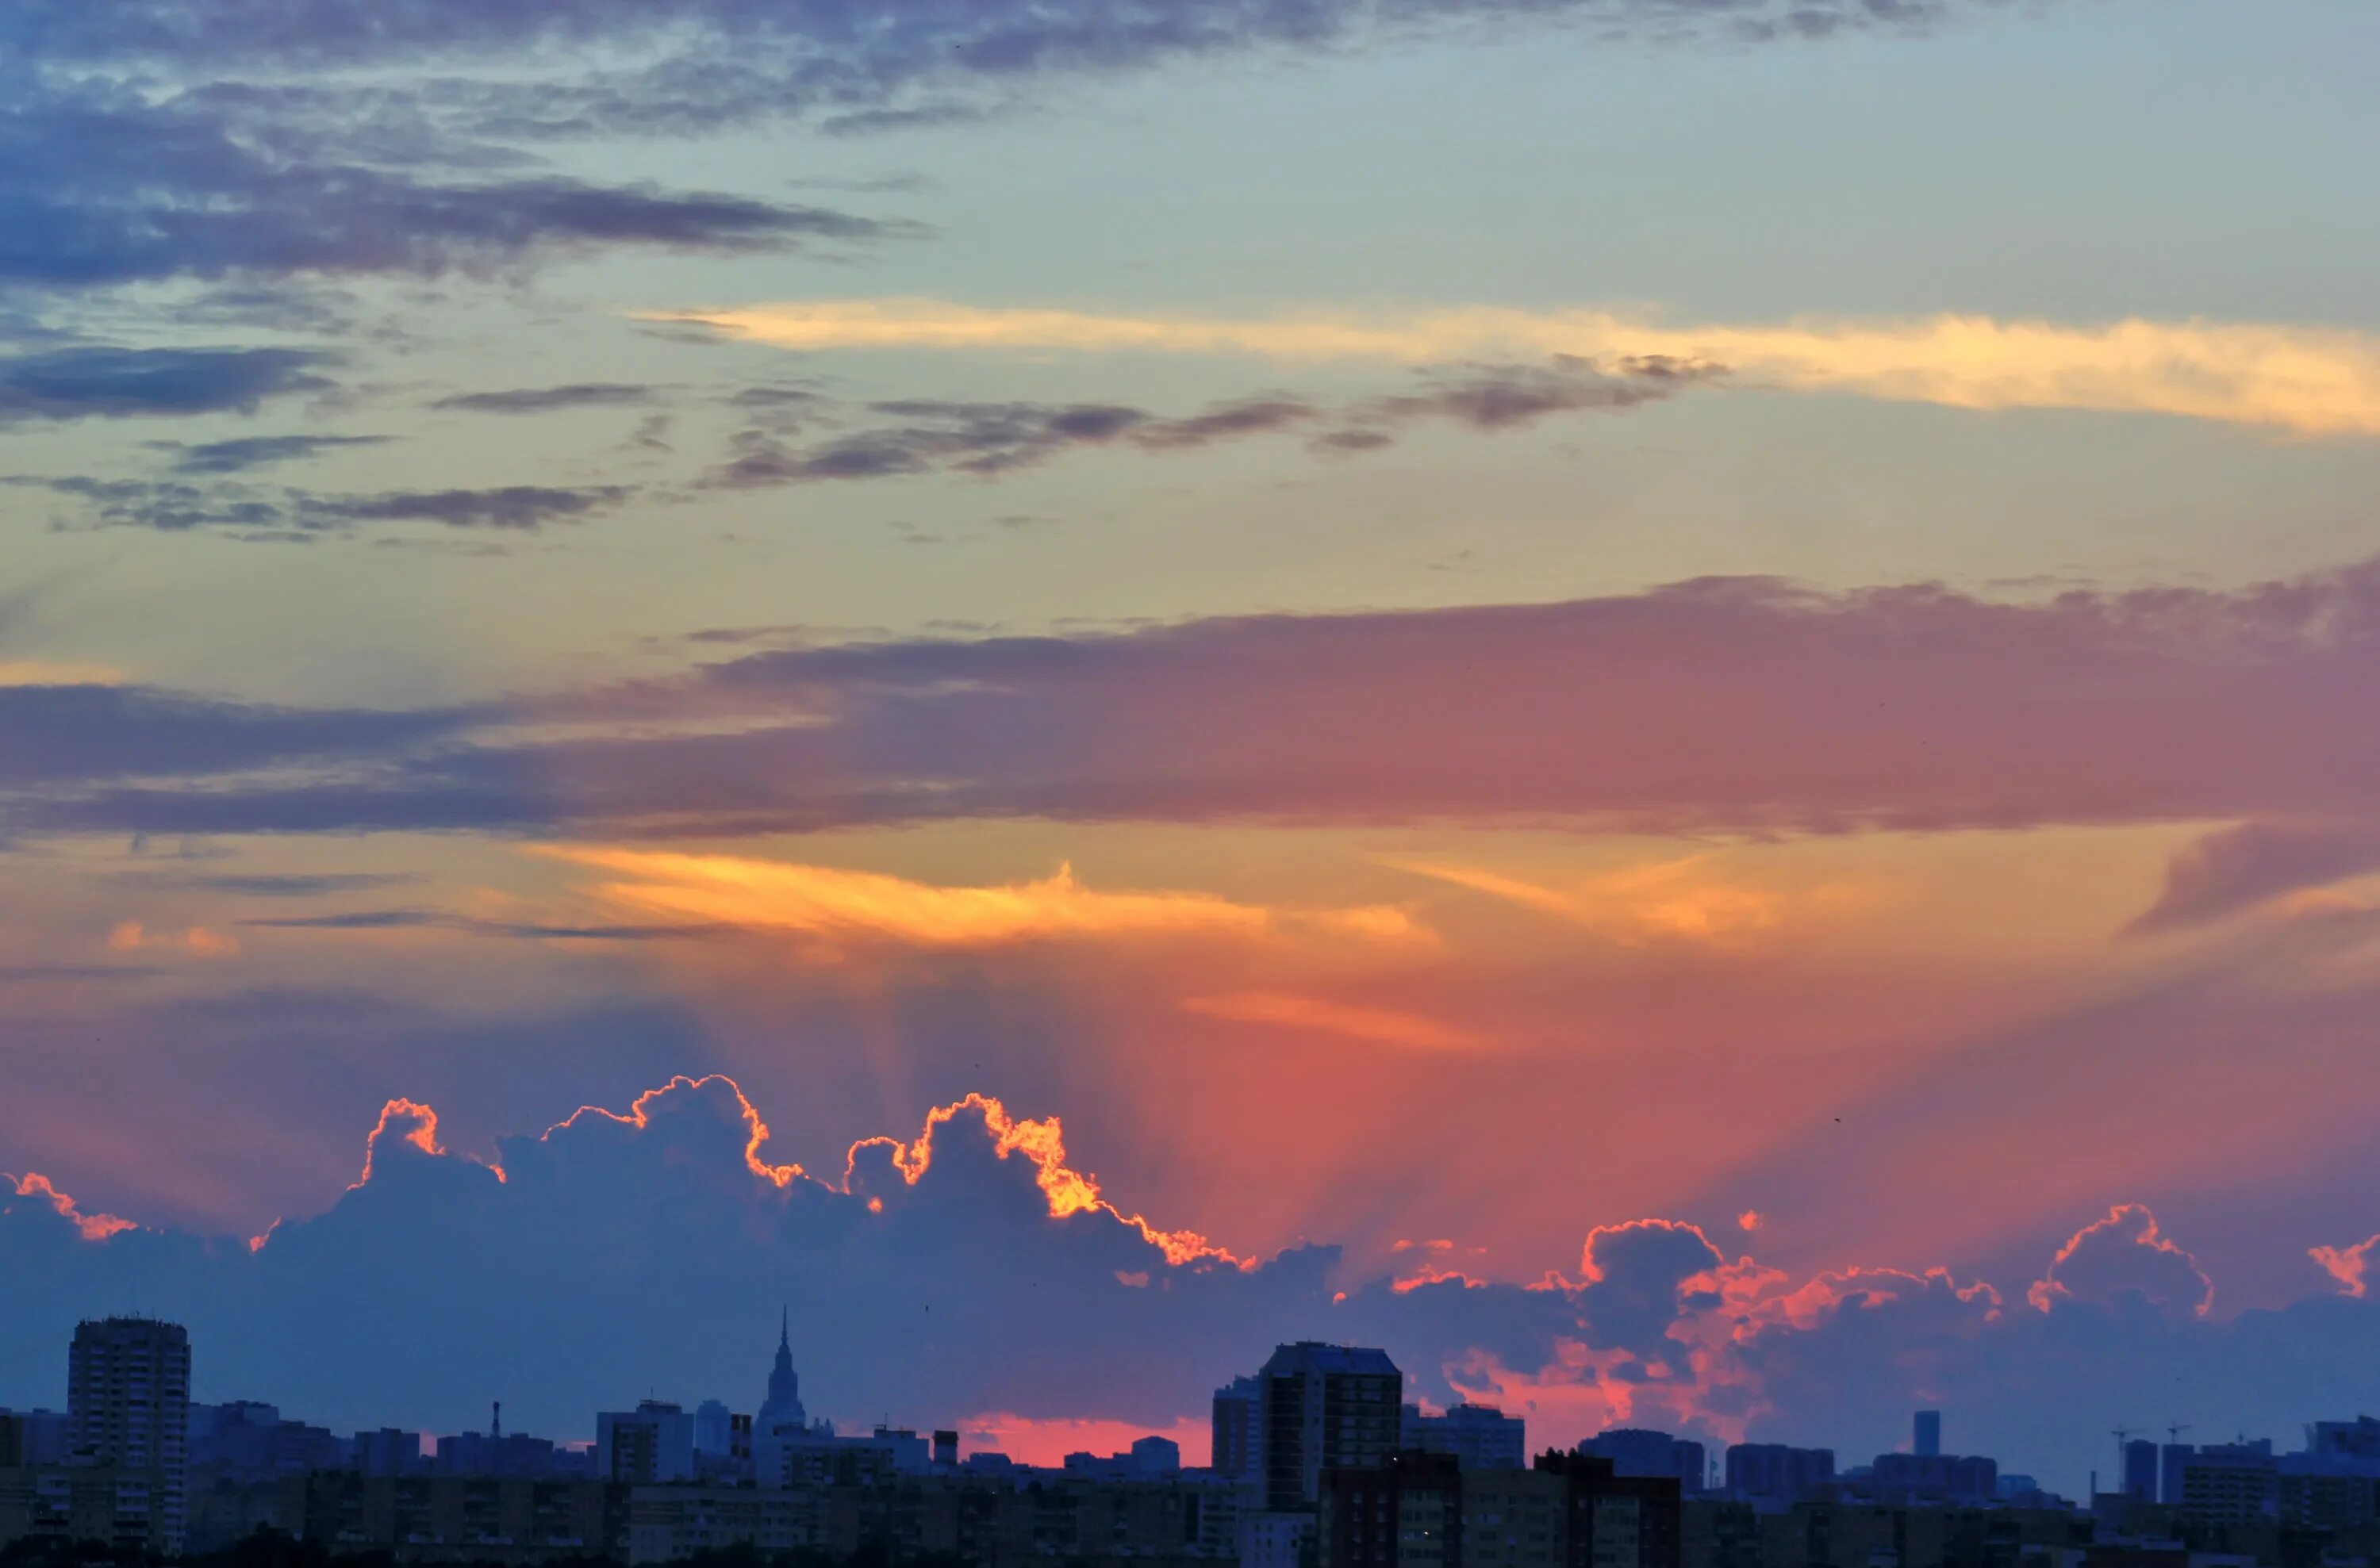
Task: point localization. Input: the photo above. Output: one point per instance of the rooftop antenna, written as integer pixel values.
(496, 1422)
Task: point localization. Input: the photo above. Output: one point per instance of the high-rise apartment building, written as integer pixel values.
(1237, 1414)
(1325, 1406)
(128, 1412)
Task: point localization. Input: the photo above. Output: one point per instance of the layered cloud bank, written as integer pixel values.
(1721, 704)
(973, 1272)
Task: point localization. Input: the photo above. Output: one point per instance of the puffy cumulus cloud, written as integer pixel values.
(1746, 703)
(403, 1123)
(2120, 1258)
(968, 1270)
(2309, 380)
(974, 1274)
(833, 904)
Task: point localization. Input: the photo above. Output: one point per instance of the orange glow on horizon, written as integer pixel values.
(1040, 1440)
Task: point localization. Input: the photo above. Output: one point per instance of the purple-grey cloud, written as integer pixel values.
(1727, 705)
(546, 400)
(102, 185)
(243, 453)
(87, 381)
(2236, 868)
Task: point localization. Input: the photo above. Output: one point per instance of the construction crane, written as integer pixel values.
(2173, 1431)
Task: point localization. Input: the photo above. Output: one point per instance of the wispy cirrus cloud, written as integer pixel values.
(244, 511)
(243, 453)
(1371, 1024)
(1680, 898)
(905, 437)
(2307, 381)
(547, 400)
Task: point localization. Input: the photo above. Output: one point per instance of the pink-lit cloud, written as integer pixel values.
(2348, 1265)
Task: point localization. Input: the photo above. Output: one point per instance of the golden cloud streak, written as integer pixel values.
(2306, 379)
(861, 905)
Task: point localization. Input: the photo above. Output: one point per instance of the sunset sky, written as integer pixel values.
(1670, 703)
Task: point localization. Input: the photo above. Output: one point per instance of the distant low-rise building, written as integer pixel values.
(1777, 1475)
(1636, 1450)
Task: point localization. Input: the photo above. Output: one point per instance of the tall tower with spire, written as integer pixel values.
(784, 1406)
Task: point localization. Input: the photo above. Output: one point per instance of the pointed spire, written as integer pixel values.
(785, 1325)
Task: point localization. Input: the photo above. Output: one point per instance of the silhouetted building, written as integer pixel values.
(653, 1443)
(714, 1430)
(1772, 1472)
(1325, 1407)
(1406, 1513)
(1636, 1451)
(32, 1437)
(2141, 1470)
(1934, 1478)
(782, 1408)
(128, 1412)
(448, 1518)
(1238, 1417)
(1276, 1538)
(1480, 1436)
(1925, 1435)
(2354, 1446)
(1149, 1459)
(245, 1440)
(1571, 1511)
(2232, 1484)
(2172, 1459)
(389, 1451)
